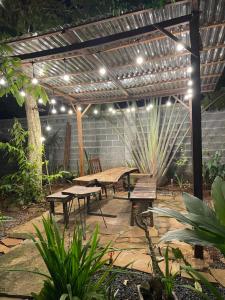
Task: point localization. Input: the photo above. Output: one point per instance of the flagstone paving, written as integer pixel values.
(128, 244)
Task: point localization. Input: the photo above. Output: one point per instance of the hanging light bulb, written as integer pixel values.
(168, 103)
(43, 139)
(113, 111)
(22, 93)
(40, 101)
(149, 107)
(190, 83)
(180, 47)
(34, 79)
(70, 112)
(190, 91)
(128, 110)
(133, 109)
(53, 101)
(62, 108)
(95, 112)
(189, 69)
(110, 109)
(102, 71)
(2, 81)
(48, 128)
(66, 77)
(79, 108)
(54, 111)
(139, 60)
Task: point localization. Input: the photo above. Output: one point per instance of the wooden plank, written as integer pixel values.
(57, 195)
(67, 146)
(77, 190)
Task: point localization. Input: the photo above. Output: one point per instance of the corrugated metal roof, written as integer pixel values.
(164, 69)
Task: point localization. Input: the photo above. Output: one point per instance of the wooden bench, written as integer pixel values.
(142, 197)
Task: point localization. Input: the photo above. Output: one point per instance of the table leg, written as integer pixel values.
(65, 213)
(128, 187)
(92, 213)
(133, 213)
(52, 207)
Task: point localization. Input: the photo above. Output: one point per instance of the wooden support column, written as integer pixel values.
(196, 109)
(80, 141)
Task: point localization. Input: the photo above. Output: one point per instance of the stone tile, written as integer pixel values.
(208, 276)
(219, 275)
(174, 267)
(4, 249)
(11, 242)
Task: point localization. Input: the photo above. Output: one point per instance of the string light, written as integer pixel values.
(113, 111)
(102, 71)
(43, 139)
(190, 83)
(79, 108)
(2, 81)
(48, 128)
(180, 47)
(110, 109)
(190, 91)
(70, 112)
(133, 109)
(62, 108)
(22, 93)
(54, 111)
(139, 60)
(128, 110)
(95, 111)
(53, 101)
(40, 101)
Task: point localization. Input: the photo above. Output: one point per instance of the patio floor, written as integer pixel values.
(130, 241)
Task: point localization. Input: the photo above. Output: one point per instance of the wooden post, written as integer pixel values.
(80, 141)
(196, 109)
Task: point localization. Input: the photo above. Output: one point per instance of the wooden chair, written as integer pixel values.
(95, 167)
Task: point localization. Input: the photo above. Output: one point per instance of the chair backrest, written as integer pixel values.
(95, 165)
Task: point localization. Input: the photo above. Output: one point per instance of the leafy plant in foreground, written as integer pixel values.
(213, 167)
(71, 270)
(207, 225)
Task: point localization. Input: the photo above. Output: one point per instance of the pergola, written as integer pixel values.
(131, 57)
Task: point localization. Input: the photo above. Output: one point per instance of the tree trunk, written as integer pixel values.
(34, 136)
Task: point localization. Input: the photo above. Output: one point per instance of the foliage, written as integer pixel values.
(20, 185)
(16, 80)
(207, 225)
(213, 167)
(71, 270)
(153, 144)
(18, 17)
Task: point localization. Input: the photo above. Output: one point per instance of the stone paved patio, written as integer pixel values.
(129, 242)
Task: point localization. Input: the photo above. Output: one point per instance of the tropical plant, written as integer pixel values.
(77, 272)
(213, 167)
(207, 225)
(20, 185)
(151, 137)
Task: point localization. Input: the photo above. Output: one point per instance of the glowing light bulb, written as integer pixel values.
(168, 103)
(70, 112)
(180, 47)
(113, 111)
(43, 139)
(149, 107)
(102, 71)
(128, 110)
(54, 111)
(189, 69)
(62, 108)
(34, 81)
(53, 101)
(48, 127)
(139, 60)
(79, 108)
(190, 91)
(190, 83)
(133, 109)
(186, 97)
(66, 77)
(2, 81)
(22, 93)
(40, 101)
(95, 111)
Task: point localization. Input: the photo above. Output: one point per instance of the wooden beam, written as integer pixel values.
(106, 40)
(86, 109)
(181, 102)
(80, 142)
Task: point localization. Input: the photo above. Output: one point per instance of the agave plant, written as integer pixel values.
(71, 269)
(207, 225)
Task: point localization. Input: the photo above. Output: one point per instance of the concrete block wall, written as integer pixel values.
(103, 136)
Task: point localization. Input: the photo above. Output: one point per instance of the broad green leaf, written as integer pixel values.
(218, 195)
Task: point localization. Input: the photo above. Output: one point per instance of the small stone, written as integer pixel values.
(11, 242)
(219, 275)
